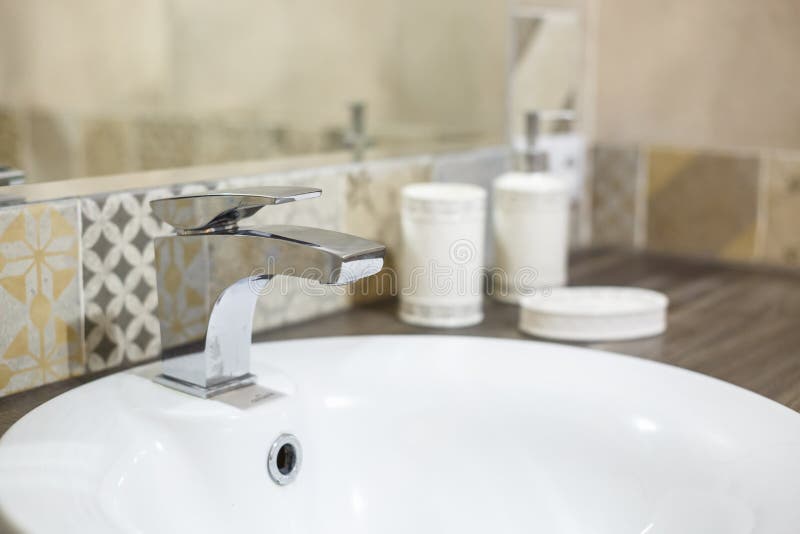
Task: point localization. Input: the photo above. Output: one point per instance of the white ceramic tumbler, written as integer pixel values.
(530, 227)
(441, 267)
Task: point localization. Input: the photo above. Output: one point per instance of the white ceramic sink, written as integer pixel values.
(413, 435)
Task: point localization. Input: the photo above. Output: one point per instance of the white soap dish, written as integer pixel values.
(594, 313)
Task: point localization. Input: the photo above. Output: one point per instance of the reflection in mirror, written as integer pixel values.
(545, 64)
(546, 46)
(113, 86)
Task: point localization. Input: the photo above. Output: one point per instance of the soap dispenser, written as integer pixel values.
(530, 221)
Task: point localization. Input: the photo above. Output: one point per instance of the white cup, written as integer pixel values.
(530, 223)
(441, 267)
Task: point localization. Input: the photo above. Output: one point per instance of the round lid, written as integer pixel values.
(595, 301)
(531, 182)
(444, 192)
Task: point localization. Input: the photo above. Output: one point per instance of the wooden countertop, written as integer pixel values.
(737, 323)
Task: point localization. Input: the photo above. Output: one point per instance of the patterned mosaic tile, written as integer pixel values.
(119, 269)
(702, 203)
(107, 145)
(373, 212)
(615, 191)
(782, 236)
(119, 277)
(226, 139)
(40, 333)
(165, 143)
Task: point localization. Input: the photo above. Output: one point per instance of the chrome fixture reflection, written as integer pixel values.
(11, 176)
(356, 137)
(211, 272)
(536, 160)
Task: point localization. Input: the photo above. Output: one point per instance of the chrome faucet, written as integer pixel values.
(210, 273)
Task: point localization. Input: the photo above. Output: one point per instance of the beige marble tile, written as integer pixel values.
(40, 331)
(373, 212)
(782, 236)
(702, 203)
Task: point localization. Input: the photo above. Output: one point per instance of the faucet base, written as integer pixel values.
(206, 392)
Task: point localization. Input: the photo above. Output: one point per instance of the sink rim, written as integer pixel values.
(550, 352)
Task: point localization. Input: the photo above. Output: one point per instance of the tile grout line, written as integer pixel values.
(640, 205)
(81, 294)
(762, 205)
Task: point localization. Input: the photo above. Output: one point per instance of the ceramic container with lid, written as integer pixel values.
(442, 259)
(530, 225)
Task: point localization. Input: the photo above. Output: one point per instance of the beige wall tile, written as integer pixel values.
(702, 203)
(83, 55)
(40, 331)
(705, 73)
(783, 211)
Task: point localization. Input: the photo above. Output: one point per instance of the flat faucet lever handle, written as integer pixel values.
(222, 210)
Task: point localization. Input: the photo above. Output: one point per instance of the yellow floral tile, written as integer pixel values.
(782, 236)
(40, 331)
(702, 203)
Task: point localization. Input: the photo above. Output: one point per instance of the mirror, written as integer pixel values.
(545, 67)
(108, 86)
(544, 103)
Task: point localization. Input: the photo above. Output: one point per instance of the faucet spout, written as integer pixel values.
(209, 282)
(330, 258)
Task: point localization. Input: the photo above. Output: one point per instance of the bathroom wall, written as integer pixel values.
(712, 74)
(696, 125)
(77, 280)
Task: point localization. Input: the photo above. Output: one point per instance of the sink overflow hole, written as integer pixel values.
(284, 458)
